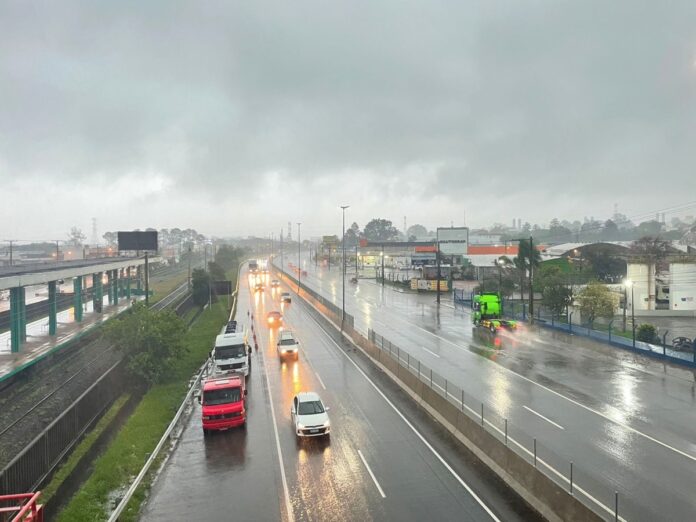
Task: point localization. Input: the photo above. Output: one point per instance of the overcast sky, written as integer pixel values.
(236, 117)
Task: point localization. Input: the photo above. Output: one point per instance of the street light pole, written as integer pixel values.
(633, 317)
(437, 256)
(531, 280)
(343, 262)
(299, 261)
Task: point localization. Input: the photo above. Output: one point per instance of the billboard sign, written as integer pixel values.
(453, 240)
(221, 287)
(137, 240)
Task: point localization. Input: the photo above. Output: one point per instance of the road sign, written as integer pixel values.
(453, 240)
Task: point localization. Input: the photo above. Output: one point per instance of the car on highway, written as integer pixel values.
(285, 297)
(274, 319)
(275, 283)
(223, 403)
(288, 346)
(258, 287)
(309, 415)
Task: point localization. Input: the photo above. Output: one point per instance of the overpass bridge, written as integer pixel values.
(120, 272)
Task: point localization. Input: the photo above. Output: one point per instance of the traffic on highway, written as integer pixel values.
(323, 436)
(626, 424)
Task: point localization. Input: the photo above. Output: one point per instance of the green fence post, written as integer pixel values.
(77, 300)
(15, 321)
(23, 313)
(52, 308)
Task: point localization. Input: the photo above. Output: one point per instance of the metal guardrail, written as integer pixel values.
(167, 434)
(172, 425)
(560, 469)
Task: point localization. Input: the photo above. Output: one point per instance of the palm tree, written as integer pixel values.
(527, 257)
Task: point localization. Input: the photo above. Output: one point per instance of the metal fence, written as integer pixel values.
(586, 485)
(27, 470)
(545, 318)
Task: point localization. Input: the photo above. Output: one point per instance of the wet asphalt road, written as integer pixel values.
(628, 423)
(237, 474)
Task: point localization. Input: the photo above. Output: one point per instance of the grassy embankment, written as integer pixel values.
(161, 286)
(139, 436)
(82, 448)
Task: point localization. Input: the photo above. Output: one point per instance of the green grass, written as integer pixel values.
(163, 286)
(82, 448)
(137, 439)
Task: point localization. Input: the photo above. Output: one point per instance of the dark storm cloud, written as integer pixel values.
(389, 103)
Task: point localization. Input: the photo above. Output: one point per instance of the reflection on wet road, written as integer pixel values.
(374, 466)
(628, 422)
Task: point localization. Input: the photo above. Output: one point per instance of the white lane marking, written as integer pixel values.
(286, 491)
(477, 415)
(545, 418)
(406, 421)
(320, 381)
(592, 410)
(430, 352)
(374, 479)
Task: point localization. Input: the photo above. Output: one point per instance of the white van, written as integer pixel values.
(231, 351)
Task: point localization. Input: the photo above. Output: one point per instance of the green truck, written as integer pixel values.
(488, 313)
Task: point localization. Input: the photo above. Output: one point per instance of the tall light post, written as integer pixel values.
(437, 256)
(299, 262)
(282, 265)
(343, 265)
(629, 283)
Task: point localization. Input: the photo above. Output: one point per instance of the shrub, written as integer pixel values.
(647, 333)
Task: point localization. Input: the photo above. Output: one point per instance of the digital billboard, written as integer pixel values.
(137, 240)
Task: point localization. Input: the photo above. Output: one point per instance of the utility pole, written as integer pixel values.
(343, 247)
(299, 261)
(57, 251)
(147, 280)
(189, 266)
(356, 261)
(11, 252)
(282, 266)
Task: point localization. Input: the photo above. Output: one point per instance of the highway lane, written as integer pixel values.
(331, 479)
(533, 383)
(227, 475)
(374, 467)
(651, 396)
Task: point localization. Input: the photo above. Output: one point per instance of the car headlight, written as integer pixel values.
(300, 426)
(327, 424)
